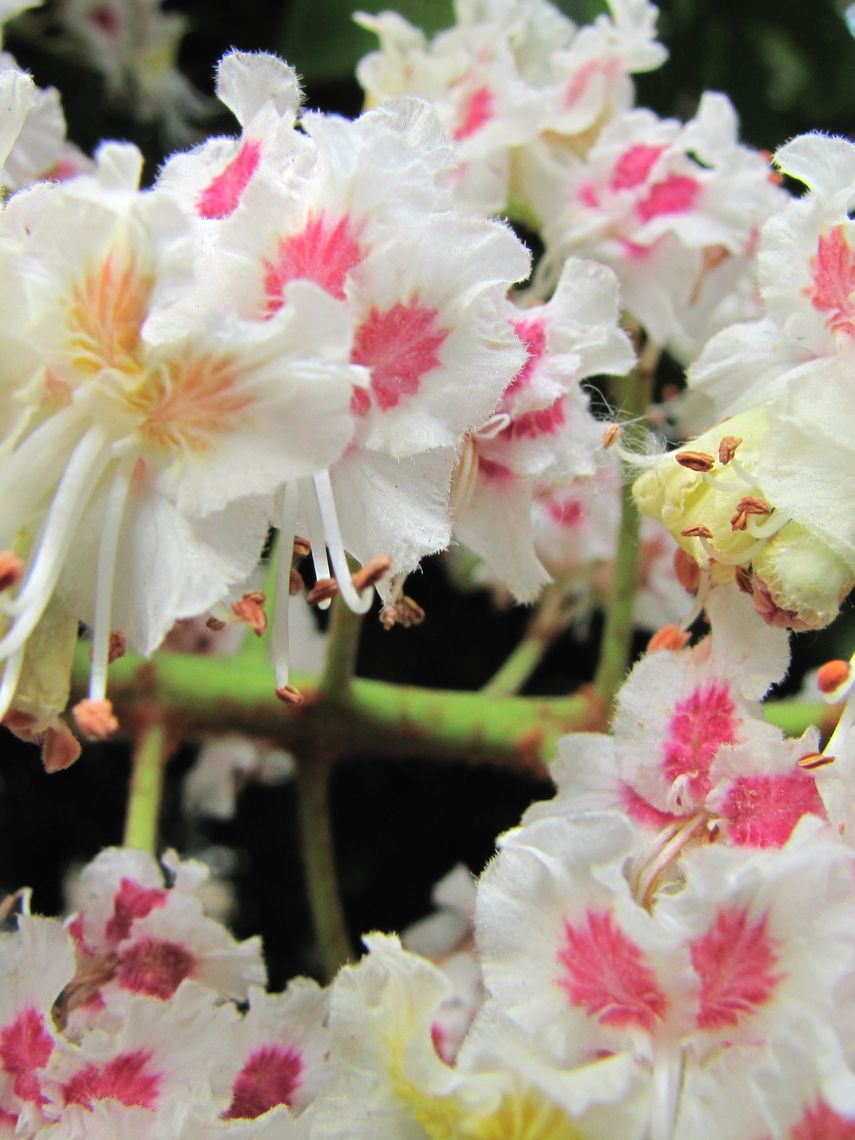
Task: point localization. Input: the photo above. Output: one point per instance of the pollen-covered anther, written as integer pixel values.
(697, 530)
(289, 695)
(812, 760)
(727, 448)
(250, 609)
(833, 675)
(214, 624)
(611, 435)
(668, 637)
(324, 590)
(371, 573)
(11, 570)
(695, 460)
(95, 719)
(747, 506)
(403, 611)
(744, 579)
(301, 548)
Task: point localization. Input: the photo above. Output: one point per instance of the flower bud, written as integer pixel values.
(799, 581)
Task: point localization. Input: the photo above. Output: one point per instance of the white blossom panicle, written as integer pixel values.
(542, 432)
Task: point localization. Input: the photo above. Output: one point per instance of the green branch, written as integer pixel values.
(148, 761)
(548, 622)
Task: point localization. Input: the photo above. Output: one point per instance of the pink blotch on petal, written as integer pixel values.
(106, 20)
(700, 725)
(533, 425)
(400, 346)
(360, 401)
(533, 336)
(633, 166)
(588, 196)
(644, 812)
(761, 811)
(477, 110)
(734, 960)
(122, 1079)
(567, 513)
(25, 1046)
(822, 1123)
(270, 1076)
(324, 252)
(833, 270)
(606, 974)
(155, 967)
(673, 195)
(585, 75)
(8, 1119)
(494, 472)
(132, 901)
(222, 195)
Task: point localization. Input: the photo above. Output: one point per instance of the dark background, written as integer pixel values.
(788, 68)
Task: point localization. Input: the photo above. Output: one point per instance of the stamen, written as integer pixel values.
(55, 538)
(611, 435)
(832, 676)
(358, 603)
(106, 577)
(695, 460)
(289, 695)
(812, 760)
(402, 611)
(768, 529)
(747, 506)
(465, 475)
(250, 609)
(322, 593)
(727, 448)
(697, 530)
(669, 637)
(287, 517)
(95, 719)
(317, 538)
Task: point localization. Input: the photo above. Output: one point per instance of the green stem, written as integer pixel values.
(312, 777)
(336, 680)
(634, 393)
(550, 619)
(148, 762)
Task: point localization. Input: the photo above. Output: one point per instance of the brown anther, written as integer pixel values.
(669, 637)
(250, 609)
(744, 579)
(695, 460)
(302, 547)
(697, 531)
(322, 591)
(832, 675)
(611, 434)
(215, 624)
(60, 748)
(686, 571)
(11, 570)
(95, 719)
(404, 611)
(116, 647)
(371, 573)
(813, 760)
(296, 585)
(747, 506)
(289, 695)
(727, 448)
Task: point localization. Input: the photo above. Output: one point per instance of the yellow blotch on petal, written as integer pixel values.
(106, 315)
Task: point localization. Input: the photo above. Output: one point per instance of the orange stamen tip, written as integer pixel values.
(404, 612)
(695, 460)
(727, 448)
(289, 695)
(250, 609)
(697, 531)
(669, 637)
(95, 719)
(813, 760)
(118, 646)
(371, 573)
(11, 570)
(215, 624)
(322, 591)
(611, 435)
(302, 547)
(832, 675)
(749, 505)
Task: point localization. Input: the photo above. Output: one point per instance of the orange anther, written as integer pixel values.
(697, 531)
(322, 591)
(832, 675)
(727, 448)
(250, 609)
(95, 719)
(371, 573)
(669, 637)
(404, 611)
(289, 695)
(812, 760)
(611, 434)
(695, 460)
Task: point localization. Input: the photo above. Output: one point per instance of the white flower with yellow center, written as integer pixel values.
(122, 482)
